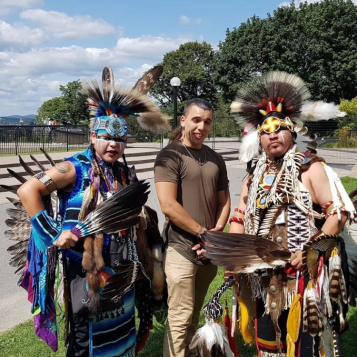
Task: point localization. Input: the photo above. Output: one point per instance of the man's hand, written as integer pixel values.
(218, 228)
(199, 251)
(231, 274)
(66, 240)
(296, 260)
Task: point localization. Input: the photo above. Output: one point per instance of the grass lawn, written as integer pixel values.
(22, 341)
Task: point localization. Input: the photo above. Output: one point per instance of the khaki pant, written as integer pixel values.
(187, 287)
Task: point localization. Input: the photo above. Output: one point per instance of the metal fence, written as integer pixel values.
(26, 139)
(21, 139)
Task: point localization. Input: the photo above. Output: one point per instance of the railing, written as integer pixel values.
(20, 139)
(26, 139)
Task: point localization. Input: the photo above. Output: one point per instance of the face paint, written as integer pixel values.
(282, 135)
(108, 148)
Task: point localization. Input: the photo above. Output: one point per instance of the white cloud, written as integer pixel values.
(184, 20)
(68, 27)
(121, 31)
(147, 47)
(7, 6)
(30, 78)
(21, 37)
(21, 3)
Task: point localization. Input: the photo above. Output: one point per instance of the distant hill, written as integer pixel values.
(16, 119)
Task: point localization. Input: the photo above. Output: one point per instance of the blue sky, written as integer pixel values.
(46, 43)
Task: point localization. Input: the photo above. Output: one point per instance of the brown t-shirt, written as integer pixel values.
(197, 187)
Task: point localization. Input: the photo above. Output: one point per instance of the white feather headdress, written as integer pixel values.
(281, 95)
(110, 101)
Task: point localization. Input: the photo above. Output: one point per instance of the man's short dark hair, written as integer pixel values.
(200, 102)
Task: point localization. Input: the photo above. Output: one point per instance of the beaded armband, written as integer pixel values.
(238, 216)
(44, 230)
(329, 209)
(47, 181)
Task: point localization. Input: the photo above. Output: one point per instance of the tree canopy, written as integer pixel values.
(69, 108)
(316, 41)
(192, 63)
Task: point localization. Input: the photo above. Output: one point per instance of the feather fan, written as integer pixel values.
(126, 274)
(243, 253)
(120, 211)
(19, 231)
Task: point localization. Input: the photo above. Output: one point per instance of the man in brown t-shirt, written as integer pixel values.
(192, 187)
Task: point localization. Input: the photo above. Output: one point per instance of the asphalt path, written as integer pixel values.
(14, 307)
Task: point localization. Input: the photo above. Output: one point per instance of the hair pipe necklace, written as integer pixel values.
(202, 159)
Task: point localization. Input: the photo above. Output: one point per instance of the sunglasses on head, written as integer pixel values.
(110, 138)
(273, 124)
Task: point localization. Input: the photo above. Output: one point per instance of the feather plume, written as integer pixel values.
(211, 340)
(107, 84)
(18, 235)
(9, 188)
(16, 176)
(312, 316)
(155, 122)
(38, 164)
(26, 167)
(149, 78)
(14, 224)
(320, 110)
(18, 248)
(120, 211)
(18, 213)
(15, 201)
(48, 157)
(250, 146)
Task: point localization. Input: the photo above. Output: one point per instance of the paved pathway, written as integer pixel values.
(13, 305)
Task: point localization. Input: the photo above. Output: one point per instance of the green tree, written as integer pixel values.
(349, 122)
(53, 108)
(316, 41)
(223, 124)
(69, 108)
(192, 63)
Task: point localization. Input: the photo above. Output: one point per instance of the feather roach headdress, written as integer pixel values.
(110, 106)
(273, 101)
